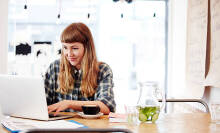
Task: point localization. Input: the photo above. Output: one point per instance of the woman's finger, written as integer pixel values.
(58, 110)
(61, 108)
(52, 108)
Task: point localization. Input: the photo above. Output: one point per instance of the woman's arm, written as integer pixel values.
(76, 105)
(49, 77)
(104, 92)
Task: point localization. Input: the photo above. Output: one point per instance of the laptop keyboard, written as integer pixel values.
(52, 116)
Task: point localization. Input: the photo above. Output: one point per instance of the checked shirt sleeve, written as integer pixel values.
(50, 83)
(105, 92)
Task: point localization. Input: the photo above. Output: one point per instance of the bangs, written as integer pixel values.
(71, 35)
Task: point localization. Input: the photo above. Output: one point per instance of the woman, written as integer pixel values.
(78, 78)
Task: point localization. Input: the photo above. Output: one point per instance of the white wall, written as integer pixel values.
(3, 36)
(212, 95)
(177, 44)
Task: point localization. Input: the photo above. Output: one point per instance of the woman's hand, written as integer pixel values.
(60, 106)
(76, 105)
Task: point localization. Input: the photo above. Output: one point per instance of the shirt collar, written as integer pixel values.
(79, 71)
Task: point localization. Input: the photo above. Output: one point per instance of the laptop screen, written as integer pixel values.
(23, 96)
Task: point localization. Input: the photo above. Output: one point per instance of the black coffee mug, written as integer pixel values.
(90, 109)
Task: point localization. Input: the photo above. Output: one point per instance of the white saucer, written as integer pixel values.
(90, 116)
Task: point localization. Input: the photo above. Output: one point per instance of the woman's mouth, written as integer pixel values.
(72, 59)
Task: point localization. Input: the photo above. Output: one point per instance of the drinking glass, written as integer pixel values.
(132, 114)
(215, 112)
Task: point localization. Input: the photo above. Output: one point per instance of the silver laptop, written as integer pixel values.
(24, 96)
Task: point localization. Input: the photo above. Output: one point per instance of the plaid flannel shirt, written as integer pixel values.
(104, 91)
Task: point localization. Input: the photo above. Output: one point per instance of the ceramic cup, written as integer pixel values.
(90, 109)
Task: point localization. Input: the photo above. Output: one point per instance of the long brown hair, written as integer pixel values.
(79, 32)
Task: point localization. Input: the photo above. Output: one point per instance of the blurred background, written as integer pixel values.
(129, 35)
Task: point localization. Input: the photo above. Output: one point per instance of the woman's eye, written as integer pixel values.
(75, 48)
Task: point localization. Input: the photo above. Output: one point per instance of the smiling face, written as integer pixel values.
(74, 52)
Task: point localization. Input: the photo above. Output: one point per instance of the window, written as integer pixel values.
(130, 37)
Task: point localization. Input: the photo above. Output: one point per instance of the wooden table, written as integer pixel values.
(168, 123)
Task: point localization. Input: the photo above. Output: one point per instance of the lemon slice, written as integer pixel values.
(142, 117)
(155, 117)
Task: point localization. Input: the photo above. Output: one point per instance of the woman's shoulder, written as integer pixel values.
(54, 65)
(55, 62)
(104, 67)
(105, 72)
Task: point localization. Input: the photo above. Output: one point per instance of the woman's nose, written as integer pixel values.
(69, 52)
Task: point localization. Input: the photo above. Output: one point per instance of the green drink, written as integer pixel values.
(148, 113)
